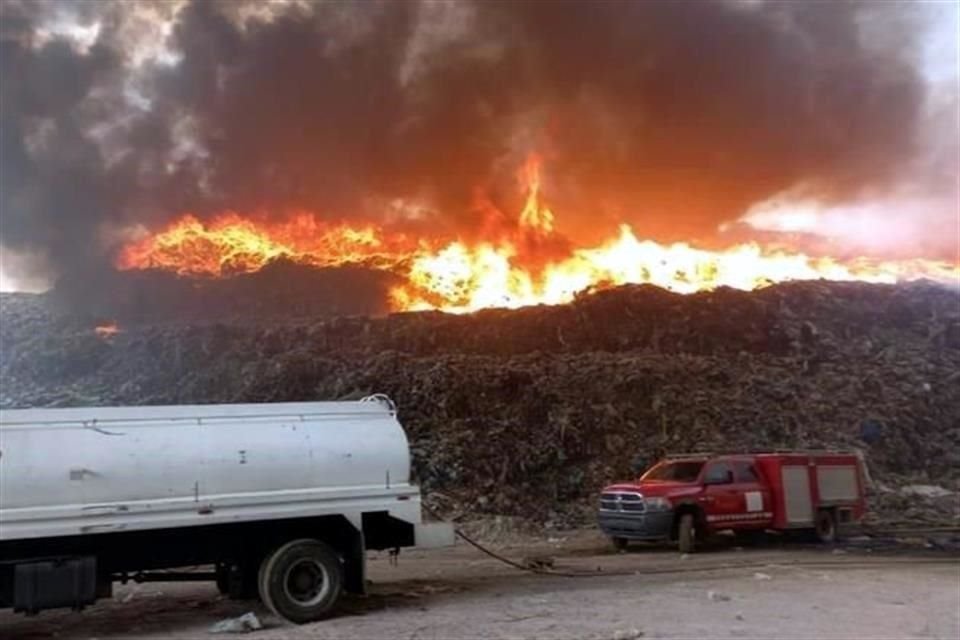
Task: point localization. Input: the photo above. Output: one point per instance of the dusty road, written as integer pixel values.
(458, 593)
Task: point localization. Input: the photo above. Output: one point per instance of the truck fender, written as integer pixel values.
(684, 507)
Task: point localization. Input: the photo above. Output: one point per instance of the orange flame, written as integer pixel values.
(534, 216)
(106, 331)
(458, 276)
(233, 244)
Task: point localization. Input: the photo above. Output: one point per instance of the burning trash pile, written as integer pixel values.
(517, 261)
(528, 412)
(240, 268)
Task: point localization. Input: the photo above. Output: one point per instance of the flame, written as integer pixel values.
(233, 244)
(106, 331)
(459, 276)
(534, 216)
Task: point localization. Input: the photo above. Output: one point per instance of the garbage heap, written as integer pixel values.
(530, 412)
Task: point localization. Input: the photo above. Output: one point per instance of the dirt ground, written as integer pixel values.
(728, 592)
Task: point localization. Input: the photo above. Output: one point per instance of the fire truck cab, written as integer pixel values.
(687, 497)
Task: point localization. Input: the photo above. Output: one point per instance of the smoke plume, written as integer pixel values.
(675, 116)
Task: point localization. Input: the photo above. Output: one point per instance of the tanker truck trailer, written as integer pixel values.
(281, 501)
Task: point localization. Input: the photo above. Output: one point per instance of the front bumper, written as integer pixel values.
(652, 525)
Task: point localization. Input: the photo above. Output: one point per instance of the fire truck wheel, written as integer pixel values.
(620, 544)
(301, 581)
(687, 533)
(826, 526)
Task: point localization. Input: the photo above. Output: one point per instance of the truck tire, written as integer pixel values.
(301, 581)
(687, 533)
(825, 526)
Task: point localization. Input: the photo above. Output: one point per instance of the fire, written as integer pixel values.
(459, 276)
(233, 244)
(106, 331)
(534, 216)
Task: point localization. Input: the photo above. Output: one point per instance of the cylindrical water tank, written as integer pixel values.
(89, 470)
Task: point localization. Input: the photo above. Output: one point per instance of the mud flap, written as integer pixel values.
(355, 565)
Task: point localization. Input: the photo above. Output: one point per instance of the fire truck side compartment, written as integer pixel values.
(837, 484)
(796, 495)
(802, 484)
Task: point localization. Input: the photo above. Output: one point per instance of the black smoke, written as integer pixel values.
(675, 116)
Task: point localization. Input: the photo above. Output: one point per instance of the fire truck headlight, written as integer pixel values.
(658, 504)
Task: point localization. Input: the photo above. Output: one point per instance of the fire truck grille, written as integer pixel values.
(622, 502)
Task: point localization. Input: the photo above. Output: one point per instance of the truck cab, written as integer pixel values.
(684, 498)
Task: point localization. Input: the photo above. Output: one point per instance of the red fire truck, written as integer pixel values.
(686, 497)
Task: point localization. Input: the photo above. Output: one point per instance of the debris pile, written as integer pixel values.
(529, 412)
(281, 289)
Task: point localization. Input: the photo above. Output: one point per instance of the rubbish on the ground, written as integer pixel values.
(716, 596)
(565, 396)
(762, 576)
(925, 491)
(242, 624)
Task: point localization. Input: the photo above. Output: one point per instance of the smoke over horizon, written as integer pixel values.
(681, 118)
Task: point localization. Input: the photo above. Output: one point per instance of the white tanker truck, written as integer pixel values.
(282, 500)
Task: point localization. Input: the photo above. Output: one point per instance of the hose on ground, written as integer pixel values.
(689, 569)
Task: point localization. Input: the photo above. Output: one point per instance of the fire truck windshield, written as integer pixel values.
(686, 471)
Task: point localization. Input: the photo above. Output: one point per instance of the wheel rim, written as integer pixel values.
(306, 582)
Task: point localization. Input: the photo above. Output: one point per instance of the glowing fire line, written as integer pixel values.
(106, 331)
(462, 277)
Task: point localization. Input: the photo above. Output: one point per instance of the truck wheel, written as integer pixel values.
(301, 581)
(620, 544)
(825, 526)
(687, 533)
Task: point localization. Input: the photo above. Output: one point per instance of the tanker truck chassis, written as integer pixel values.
(281, 501)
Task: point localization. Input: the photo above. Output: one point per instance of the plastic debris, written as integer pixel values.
(242, 624)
